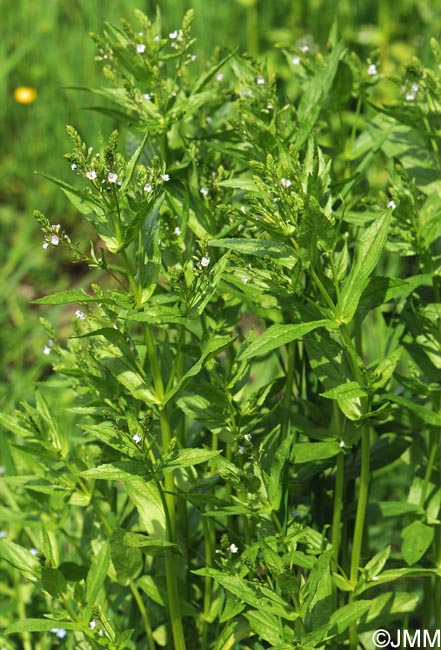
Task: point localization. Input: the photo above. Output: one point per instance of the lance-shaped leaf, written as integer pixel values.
(41, 625)
(150, 545)
(68, 297)
(187, 458)
(256, 596)
(131, 167)
(278, 251)
(211, 349)
(19, 557)
(278, 335)
(97, 574)
(367, 255)
(314, 95)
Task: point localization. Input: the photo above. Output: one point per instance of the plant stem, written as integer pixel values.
(21, 607)
(144, 616)
(169, 489)
(288, 387)
(170, 561)
(210, 543)
(252, 25)
(338, 506)
(360, 519)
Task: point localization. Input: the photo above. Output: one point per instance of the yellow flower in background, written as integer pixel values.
(25, 94)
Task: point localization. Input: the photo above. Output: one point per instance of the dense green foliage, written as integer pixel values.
(238, 444)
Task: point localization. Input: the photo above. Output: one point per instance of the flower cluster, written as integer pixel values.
(53, 234)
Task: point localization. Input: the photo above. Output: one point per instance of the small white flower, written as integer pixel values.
(33, 551)
(173, 35)
(157, 39)
(3, 534)
(233, 548)
(204, 191)
(80, 314)
(92, 624)
(372, 70)
(260, 80)
(193, 57)
(46, 350)
(205, 261)
(147, 187)
(241, 450)
(285, 182)
(106, 56)
(304, 48)
(100, 632)
(341, 444)
(45, 244)
(59, 632)
(112, 178)
(219, 76)
(91, 175)
(247, 437)
(391, 204)
(140, 48)
(147, 96)
(244, 279)
(410, 96)
(374, 578)
(177, 231)
(165, 177)
(136, 438)
(73, 166)
(54, 240)
(270, 107)
(415, 87)
(295, 60)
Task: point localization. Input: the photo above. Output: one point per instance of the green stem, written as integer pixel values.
(434, 447)
(21, 607)
(252, 26)
(130, 275)
(144, 616)
(338, 506)
(169, 489)
(210, 543)
(360, 519)
(170, 560)
(437, 586)
(288, 387)
(325, 295)
(355, 124)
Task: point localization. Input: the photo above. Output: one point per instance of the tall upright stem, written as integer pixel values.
(169, 488)
(288, 386)
(360, 519)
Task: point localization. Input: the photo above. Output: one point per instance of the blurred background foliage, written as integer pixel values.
(45, 49)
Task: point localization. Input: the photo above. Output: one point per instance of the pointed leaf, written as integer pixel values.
(278, 335)
(97, 574)
(367, 255)
(417, 537)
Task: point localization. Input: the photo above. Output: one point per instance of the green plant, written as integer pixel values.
(228, 397)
